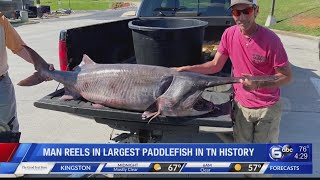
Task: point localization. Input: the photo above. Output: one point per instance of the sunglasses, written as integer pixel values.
(246, 11)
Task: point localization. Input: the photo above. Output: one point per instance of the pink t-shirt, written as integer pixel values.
(259, 56)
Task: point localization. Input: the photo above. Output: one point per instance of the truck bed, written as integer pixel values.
(112, 42)
(220, 117)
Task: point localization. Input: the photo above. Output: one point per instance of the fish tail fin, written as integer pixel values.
(32, 80)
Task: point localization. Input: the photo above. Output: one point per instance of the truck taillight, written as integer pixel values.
(63, 51)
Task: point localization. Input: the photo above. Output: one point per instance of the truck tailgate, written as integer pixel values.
(218, 118)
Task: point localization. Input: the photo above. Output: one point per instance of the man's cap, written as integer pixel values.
(249, 2)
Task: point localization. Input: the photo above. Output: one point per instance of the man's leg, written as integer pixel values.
(242, 129)
(8, 110)
(267, 128)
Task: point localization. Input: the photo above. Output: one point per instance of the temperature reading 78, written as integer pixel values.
(304, 148)
(174, 167)
(254, 167)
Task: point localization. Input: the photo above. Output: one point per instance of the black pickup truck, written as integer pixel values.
(112, 42)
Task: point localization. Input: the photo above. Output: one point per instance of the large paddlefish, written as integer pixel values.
(153, 90)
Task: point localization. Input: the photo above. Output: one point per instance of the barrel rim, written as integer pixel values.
(147, 28)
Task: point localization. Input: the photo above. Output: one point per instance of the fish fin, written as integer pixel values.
(34, 79)
(69, 95)
(146, 115)
(87, 60)
(150, 115)
(152, 108)
(153, 115)
(151, 112)
(98, 106)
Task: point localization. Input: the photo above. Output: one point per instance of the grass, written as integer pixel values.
(287, 12)
(81, 4)
(78, 4)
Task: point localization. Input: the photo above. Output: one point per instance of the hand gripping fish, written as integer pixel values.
(153, 90)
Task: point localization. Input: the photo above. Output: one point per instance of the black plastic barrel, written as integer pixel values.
(168, 42)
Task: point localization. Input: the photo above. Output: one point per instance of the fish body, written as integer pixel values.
(123, 86)
(153, 90)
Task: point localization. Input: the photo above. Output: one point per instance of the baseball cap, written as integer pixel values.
(249, 2)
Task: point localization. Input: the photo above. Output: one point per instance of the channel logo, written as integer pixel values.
(277, 152)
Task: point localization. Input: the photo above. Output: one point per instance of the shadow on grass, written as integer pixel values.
(294, 15)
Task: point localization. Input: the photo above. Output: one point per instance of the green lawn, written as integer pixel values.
(81, 4)
(78, 4)
(288, 12)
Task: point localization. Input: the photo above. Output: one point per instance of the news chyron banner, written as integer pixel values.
(156, 158)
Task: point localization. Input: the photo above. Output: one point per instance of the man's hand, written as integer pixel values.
(247, 84)
(51, 68)
(180, 69)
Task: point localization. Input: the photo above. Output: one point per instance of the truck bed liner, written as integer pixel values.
(218, 118)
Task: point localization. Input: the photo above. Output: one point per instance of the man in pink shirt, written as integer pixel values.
(254, 51)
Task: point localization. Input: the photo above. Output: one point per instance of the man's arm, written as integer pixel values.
(284, 74)
(13, 40)
(15, 43)
(209, 67)
(24, 55)
(285, 77)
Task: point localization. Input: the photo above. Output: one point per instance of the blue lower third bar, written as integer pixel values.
(289, 168)
(8, 168)
(75, 167)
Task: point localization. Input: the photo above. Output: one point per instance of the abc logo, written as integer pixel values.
(277, 152)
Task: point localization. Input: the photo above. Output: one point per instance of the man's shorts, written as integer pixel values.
(257, 125)
(8, 110)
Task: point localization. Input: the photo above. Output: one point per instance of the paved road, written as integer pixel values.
(300, 121)
(301, 117)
